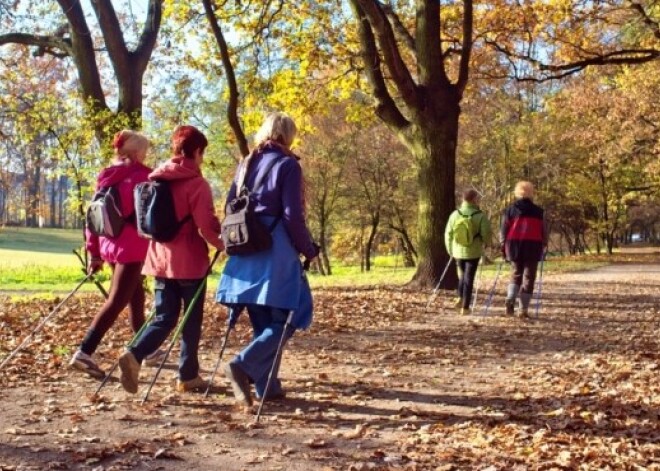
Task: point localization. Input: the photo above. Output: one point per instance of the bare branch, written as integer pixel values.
(112, 33)
(384, 35)
(149, 33)
(48, 44)
(464, 67)
(558, 71)
(232, 106)
(386, 108)
(428, 40)
(399, 28)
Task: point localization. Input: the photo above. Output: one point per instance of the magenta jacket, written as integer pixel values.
(128, 247)
(187, 255)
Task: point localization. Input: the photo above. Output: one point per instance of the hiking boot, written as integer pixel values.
(278, 396)
(195, 384)
(130, 372)
(240, 383)
(465, 311)
(509, 305)
(523, 314)
(155, 359)
(84, 362)
(457, 303)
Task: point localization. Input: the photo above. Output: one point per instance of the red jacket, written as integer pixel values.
(128, 247)
(187, 255)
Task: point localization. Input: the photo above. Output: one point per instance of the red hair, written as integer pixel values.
(119, 140)
(186, 140)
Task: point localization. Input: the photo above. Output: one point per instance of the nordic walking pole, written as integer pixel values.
(43, 322)
(278, 353)
(479, 276)
(231, 322)
(84, 269)
(179, 328)
(492, 291)
(437, 287)
(538, 293)
(130, 343)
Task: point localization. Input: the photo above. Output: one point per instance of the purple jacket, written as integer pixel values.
(128, 247)
(280, 195)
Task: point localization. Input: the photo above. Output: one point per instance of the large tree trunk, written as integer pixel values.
(434, 148)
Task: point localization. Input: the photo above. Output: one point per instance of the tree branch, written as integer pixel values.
(44, 43)
(384, 35)
(399, 28)
(558, 71)
(464, 67)
(430, 63)
(386, 108)
(232, 106)
(83, 54)
(112, 33)
(149, 34)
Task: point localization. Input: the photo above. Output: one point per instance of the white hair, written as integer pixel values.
(277, 127)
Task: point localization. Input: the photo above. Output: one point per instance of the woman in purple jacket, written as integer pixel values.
(270, 284)
(125, 253)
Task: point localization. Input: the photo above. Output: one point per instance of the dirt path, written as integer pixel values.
(379, 383)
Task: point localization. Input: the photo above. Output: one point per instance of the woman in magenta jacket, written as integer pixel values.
(125, 253)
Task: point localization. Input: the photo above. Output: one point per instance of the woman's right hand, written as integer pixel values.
(95, 264)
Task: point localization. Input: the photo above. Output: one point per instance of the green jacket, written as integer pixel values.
(476, 249)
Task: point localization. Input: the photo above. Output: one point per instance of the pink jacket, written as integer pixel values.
(128, 247)
(187, 255)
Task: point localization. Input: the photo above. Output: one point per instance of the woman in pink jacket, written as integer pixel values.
(125, 253)
(179, 266)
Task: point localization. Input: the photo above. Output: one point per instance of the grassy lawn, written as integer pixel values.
(41, 261)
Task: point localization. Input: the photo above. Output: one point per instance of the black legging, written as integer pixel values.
(126, 289)
(467, 269)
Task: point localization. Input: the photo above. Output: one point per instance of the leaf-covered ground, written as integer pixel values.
(380, 382)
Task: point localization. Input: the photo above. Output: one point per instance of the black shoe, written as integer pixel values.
(510, 307)
(280, 396)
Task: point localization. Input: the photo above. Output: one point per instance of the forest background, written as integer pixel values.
(400, 106)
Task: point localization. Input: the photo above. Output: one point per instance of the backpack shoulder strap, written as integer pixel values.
(266, 171)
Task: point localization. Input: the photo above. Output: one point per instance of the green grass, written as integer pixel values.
(41, 262)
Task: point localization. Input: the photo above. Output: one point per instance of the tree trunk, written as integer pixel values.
(370, 241)
(434, 147)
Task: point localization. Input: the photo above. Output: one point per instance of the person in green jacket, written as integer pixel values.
(467, 232)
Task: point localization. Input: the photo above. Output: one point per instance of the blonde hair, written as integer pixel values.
(524, 190)
(130, 144)
(277, 127)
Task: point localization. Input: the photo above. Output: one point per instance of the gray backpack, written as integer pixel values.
(104, 217)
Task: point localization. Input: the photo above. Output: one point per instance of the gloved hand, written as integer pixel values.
(95, 264)
(306, 263)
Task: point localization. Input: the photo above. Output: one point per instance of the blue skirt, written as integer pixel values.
(273, 278)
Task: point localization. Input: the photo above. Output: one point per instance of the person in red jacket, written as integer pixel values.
(180, 265)
(125, 253)
(524, 235)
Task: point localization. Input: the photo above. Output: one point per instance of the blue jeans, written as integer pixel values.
(168, 296)
(256, 359)
(467, 269)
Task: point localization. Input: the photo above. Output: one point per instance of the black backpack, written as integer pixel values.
(242, 231)
(154, 211)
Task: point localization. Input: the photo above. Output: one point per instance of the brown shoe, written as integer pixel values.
(130, 372)
(195, 384)
(240, 383)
